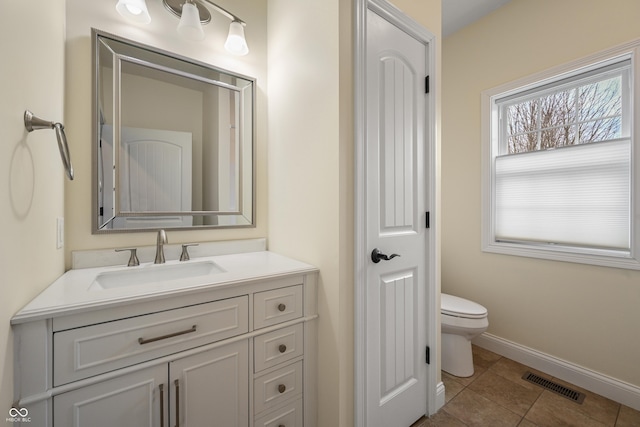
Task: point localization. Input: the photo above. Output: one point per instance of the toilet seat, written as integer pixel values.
(459, 307)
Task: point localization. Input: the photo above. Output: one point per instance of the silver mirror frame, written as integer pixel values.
(96, 36)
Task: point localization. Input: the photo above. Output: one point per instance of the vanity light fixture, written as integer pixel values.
(189, 26)
(135, 10)
(193, 14)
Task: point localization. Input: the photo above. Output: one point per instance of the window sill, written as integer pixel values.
(604, 258)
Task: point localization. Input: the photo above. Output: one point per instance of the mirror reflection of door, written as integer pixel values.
(155, 176)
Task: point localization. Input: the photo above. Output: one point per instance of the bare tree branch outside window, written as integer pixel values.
(580, 115)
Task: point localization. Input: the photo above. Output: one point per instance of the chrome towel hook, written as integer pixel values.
(32, 123)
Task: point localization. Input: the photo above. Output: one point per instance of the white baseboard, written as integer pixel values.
(614, 389)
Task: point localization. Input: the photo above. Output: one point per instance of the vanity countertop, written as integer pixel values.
(75, 291)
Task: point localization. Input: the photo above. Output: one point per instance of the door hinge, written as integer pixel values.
(427, 225)
(426, 84)
(428, 356)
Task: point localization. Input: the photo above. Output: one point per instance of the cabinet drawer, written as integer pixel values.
(276, 306)
(277, 347)
(288, 416)
(84, 352)
(277, 387)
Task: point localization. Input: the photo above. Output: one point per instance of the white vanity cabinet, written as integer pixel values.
(208, 388)
(128, 401)
(241, 354)
(211, 388)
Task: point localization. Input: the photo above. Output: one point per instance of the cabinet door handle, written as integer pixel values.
(161, 387)
(282, 348)
(177, 383)
(142, 341)
(282, 388)
(282, 307)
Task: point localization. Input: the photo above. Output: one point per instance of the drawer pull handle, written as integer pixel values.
(177, 383)
(161, 386)
(282, 388)
(282, 307)
(164, 337)
(282, 348)
(281, 425)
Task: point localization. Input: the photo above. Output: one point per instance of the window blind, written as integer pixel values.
(577, 195)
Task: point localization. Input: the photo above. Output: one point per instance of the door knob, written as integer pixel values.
(376, 256)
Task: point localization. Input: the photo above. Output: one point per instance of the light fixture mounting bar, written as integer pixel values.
(225, 12)
(175, 7)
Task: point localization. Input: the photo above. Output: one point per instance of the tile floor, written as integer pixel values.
(496, 395)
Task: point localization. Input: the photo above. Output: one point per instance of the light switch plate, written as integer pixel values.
(59, 232)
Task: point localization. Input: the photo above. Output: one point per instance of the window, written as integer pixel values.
(558, 164)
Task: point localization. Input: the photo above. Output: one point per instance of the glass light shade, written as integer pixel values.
(190, 26)
(236, 42)
(135, 10)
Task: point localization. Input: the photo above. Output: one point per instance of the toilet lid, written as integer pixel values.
(460, 307)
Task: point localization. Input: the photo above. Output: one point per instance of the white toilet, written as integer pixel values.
(462, 320)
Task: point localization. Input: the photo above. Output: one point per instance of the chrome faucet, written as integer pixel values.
(162, 239)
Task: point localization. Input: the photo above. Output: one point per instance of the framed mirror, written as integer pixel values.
(173, 141)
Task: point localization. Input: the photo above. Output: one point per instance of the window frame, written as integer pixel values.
(490, 149)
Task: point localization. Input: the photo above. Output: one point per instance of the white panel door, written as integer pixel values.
(132, 400)
(211, 388)
(396, 391)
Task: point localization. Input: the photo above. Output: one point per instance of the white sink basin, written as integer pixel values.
(154, 273)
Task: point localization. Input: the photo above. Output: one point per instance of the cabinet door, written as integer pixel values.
(132, 400)
(211, 388)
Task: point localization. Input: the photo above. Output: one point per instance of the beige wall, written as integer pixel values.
(81, 16)
(311, 169)
(305, 174)
(32, 177)
(583, 314)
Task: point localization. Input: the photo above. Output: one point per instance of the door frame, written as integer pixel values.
(435, 388)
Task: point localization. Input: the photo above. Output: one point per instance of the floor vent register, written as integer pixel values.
(570, 394)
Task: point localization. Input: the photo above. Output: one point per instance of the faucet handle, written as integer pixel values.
(184, 256)
(133, 259)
